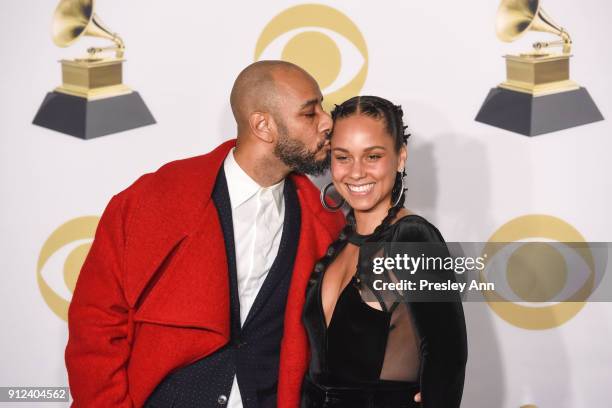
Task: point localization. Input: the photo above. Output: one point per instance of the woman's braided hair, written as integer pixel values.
(392, 115)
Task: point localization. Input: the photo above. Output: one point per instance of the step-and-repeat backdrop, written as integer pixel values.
(439, 60)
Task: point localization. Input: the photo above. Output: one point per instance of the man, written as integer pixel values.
(192, 292)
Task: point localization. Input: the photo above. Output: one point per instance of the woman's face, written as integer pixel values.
(364, 162)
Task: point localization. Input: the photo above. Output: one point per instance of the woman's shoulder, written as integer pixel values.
(410, 227)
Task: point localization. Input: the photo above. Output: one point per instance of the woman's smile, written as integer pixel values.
(360, 189)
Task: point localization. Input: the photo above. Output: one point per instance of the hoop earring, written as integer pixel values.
(399, 197)
(324, 202)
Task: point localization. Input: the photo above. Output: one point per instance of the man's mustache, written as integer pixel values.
(322, 144)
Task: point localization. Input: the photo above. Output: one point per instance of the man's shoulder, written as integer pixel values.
(168, 179)
(186, 177)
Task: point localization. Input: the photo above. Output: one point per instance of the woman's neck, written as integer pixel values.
(367, 221)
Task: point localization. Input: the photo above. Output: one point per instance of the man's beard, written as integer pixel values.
(296, 155)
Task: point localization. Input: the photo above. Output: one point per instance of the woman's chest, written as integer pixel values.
(336, 277)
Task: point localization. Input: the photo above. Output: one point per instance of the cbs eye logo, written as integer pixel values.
(324, 42)
(543, 276)
(60, 261)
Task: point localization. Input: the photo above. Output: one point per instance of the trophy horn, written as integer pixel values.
(516, 17)
(75, 18)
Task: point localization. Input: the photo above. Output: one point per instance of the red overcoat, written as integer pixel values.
(153, 293)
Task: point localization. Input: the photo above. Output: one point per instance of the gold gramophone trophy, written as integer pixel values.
(538, 95)
(92, 100)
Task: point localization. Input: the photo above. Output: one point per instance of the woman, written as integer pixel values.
(367, 352)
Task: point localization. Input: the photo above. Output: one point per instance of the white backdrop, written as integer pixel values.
(437, 59)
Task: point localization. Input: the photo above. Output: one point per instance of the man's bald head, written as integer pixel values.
(256, 89)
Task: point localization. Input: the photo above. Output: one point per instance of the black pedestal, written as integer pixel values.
(88, 119)
(528, 115)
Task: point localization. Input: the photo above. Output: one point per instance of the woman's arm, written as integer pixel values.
(441, 326)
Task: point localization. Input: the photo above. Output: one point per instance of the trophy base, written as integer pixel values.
(531, 115)
(86, 119)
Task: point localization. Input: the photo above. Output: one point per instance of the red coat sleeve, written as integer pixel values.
(98, 325)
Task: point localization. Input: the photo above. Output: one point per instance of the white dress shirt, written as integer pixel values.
(257, 217)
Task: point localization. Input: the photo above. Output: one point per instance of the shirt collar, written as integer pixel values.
(242, 187)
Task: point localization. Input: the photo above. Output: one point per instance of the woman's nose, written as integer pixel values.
(357, 170)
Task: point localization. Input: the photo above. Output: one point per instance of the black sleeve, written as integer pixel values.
(441, 327)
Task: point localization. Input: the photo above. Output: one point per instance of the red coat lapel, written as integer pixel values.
(175, 251)
(318, 229)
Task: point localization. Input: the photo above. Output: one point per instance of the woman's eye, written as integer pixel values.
(341, 158)
(373, 157)
(310, 115)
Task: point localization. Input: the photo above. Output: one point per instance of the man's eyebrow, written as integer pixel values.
(311, 102)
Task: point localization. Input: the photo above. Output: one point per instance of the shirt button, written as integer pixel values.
(222, 400)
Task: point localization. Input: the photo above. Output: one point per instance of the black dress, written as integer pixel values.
(381, 358)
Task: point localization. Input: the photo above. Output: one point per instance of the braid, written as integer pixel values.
(378, 108)
(392, 213)
(331, 252)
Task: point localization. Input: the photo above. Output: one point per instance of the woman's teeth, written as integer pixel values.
(363, 188)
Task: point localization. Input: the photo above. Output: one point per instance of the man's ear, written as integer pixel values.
(263, 127)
